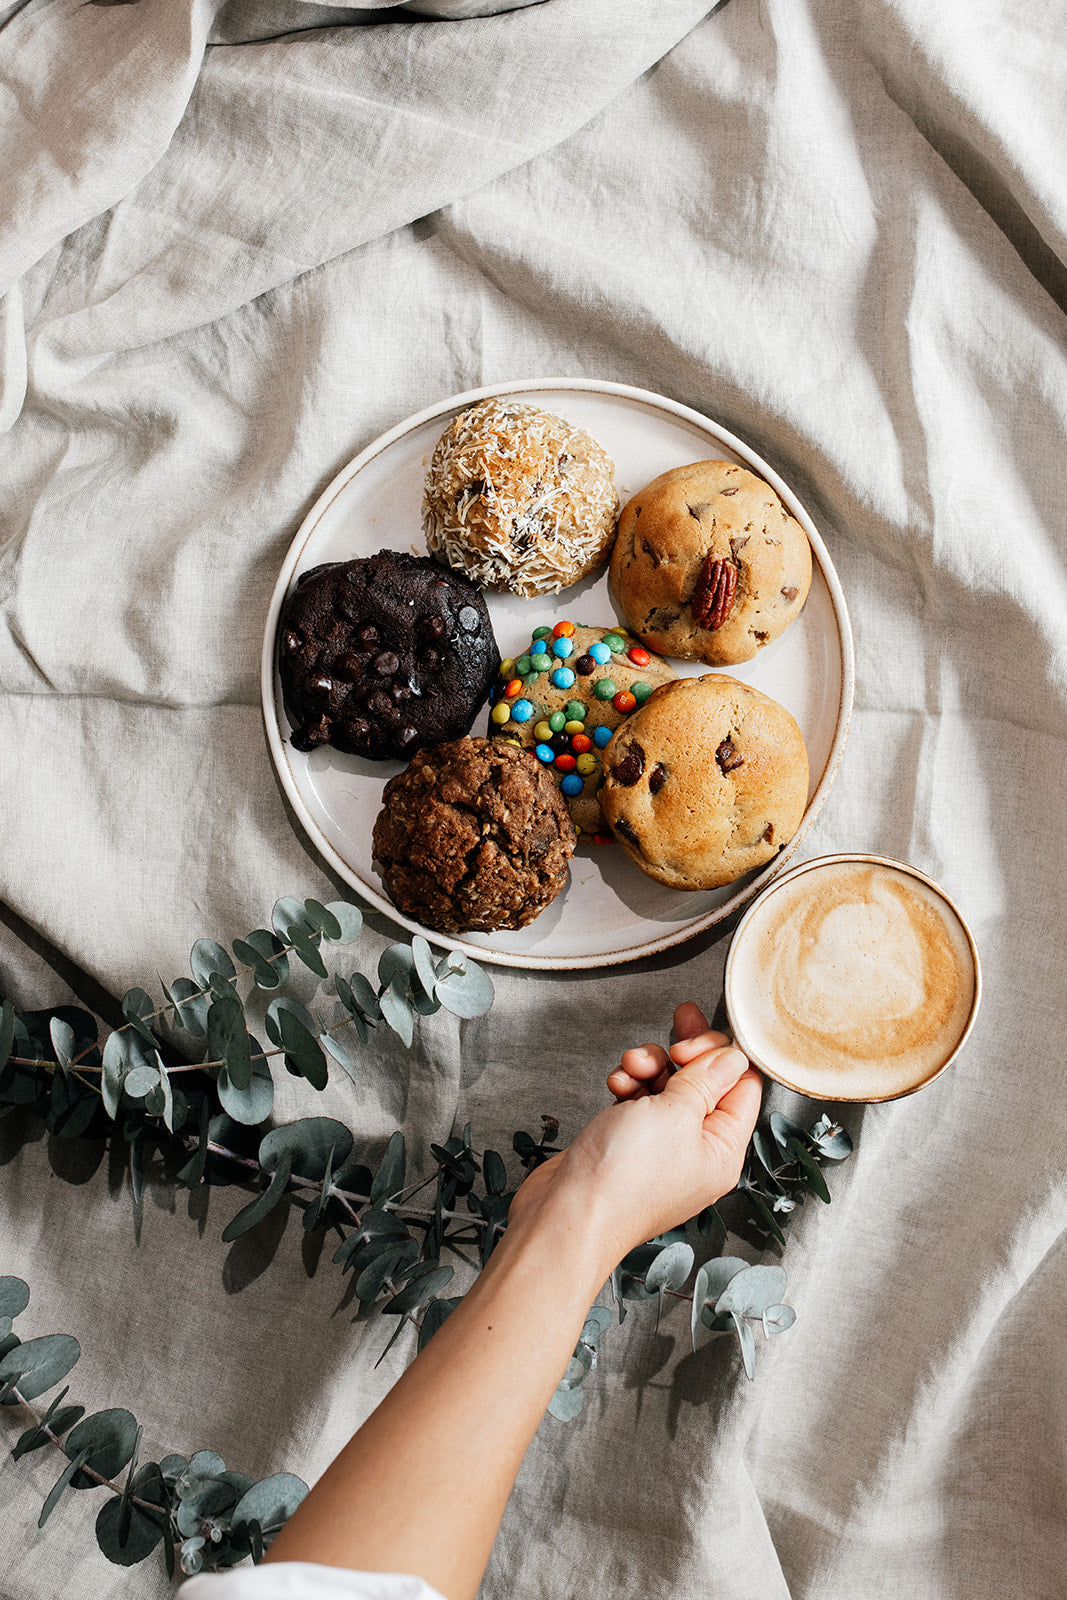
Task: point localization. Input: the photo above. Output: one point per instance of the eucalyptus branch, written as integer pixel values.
(214, 1126)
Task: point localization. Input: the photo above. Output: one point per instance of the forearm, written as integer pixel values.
(422, 1486)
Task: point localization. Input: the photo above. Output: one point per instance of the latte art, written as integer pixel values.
(851, 980)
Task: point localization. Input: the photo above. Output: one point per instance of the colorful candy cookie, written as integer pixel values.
(564, 697)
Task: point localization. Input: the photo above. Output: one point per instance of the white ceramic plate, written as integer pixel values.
(610, 912)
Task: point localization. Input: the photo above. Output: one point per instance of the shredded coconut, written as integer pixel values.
(519, 499)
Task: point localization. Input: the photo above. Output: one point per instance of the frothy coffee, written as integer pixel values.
(851, 980)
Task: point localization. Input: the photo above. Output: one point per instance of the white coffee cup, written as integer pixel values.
(852, 977)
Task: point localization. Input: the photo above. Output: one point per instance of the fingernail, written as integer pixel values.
(727, 1066)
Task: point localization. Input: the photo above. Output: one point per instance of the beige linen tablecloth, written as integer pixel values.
(240, 240)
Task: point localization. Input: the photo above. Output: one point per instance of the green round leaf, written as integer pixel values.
(109, 1437)
(252, 1105)
(349, 918)
(466, 994)
(270, 1502)
(208, 958)
(308, 1143)
(261, 951)
(14, 1297)
(670, 1269)
(752, 1290)
(37, 1364)
(142, 1535)
(565, 1404)
(322, 918)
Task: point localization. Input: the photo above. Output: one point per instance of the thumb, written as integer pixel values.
(707, 1078)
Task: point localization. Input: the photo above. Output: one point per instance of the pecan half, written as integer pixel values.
(713, 597)
(728, 758)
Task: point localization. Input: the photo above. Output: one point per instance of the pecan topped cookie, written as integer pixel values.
(708, 565)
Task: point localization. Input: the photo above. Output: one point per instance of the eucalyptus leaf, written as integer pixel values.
(783, 1129)
(309, 1144)
(304, 946)
(466, 994)
(323, 920)
(58, 1421)
(227, 1039)
(389, 1178)
(62, 1036)
(437, 1312)
(812, 1176)
(109, 1437)
(700, 1295)
(765, 1214)
(494, 1172)
(270, 1502)
(396, 967)
(720, 1271)
(362, 996)
(776, 1319)
(287, 915)
(833, 1141)
(388, 1258)
(208, 959)
(141, 1081)
(189, 1004)
(118, 1058)
(350, 919)
(670, 1269)
(565, 1404)
(252, 1105)
(126, 1546)
(302, 1049)
(337, 1050)
(418, 1290)
(752, 1290)
(60, 1484)
(596, 1325)
(398, 1013)
(264, 953)
(262, 1205)
(36, 1364)
(137, 1007)
(14, 1297)
(422, 956)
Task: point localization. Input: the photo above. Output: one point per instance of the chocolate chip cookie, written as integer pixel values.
(473, 836)
(563, 698)
(383, 655)
(709, 565)
(519, 499)
(707, 781)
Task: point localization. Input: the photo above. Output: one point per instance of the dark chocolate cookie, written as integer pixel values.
(473, 836)
(383, 655)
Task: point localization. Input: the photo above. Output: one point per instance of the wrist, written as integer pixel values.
(568, 1233)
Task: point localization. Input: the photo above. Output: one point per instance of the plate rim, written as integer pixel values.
(529, 960)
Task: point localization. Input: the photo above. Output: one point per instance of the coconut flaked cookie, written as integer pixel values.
(707, 781)
(709, 565)
(519, 499)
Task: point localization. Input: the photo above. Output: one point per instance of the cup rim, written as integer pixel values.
(834, 859)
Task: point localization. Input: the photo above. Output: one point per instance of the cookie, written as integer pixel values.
(564, 697)
(382, 655)
(518, 499)
(708, 564)
(473, 836)
(706, 782)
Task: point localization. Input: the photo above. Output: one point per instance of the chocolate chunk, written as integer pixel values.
(348, 667)
(368, 634)
(386, 663)
(630, 767)
(790, 591)
(320, 686)
(291, 642)
(623, 827)
(657, 778)
(469, 619)
(432, 627)
(728, 758)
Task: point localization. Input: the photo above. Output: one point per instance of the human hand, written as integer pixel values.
(674, 1142)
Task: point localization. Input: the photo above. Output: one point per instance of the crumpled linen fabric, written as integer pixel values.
(234, 250)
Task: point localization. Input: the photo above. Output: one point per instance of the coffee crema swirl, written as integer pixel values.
(852, 980)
